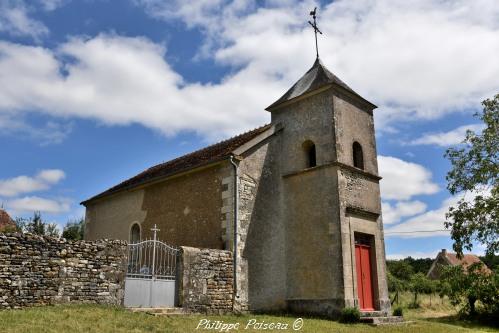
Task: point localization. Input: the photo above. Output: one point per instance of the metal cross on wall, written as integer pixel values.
(316, 29)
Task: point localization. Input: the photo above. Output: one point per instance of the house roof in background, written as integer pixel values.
(466, 261)
(204, 156)
(5, 219)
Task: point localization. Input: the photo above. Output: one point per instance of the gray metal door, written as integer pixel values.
(150, 279)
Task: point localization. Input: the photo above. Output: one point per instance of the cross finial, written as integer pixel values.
(316, 29)
(154, 229)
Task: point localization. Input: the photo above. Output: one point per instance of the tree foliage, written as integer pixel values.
(467, 287)
(475, 169)
(400, 269)
(37, 226)
(420, 284)
(74, 230)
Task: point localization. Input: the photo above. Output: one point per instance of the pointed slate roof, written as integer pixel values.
(315, 78)
(204, 156)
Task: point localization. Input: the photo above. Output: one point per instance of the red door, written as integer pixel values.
(364, 281)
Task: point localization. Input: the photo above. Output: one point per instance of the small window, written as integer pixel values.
(358, 156)
(310, 155)
(135, 233)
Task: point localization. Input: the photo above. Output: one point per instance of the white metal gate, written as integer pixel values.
(150, 278)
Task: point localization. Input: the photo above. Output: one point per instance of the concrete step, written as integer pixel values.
(386, 320)
(160, 311)
(364, 314)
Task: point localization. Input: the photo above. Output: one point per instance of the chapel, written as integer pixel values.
(296, 200)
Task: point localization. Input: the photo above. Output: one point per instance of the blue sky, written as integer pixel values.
(94, 91)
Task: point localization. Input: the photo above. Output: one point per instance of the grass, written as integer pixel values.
(94, 318)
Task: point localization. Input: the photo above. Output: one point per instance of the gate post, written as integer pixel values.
(154, 230)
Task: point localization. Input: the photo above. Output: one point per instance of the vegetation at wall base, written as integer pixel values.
(349, 315)
(398, 311)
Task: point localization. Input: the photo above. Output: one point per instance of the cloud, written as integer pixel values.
(15, 20)
(33, 204)
(25, 184)
(50, 5)
(52, 132)
(403, 180)
(416, 59)
(121, 80)
(446, 139)
(393, 213)
(428, 224)
(125, 80)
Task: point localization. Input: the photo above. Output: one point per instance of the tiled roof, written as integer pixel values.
(466, 261)
(210, 154)
(5, 219)
(315, 78)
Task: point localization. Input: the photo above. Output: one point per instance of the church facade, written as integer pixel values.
(297, 200)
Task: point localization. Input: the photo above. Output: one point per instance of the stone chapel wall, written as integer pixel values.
(187, 209)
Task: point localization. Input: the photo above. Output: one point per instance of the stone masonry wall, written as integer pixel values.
(205, 280)
(37, 270)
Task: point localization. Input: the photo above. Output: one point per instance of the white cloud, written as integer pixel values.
(15, 20)
(25, 184)
(33, 204)
(416, 59)
(393, 213)
(403, 180)
(121, 80)
(52, 132)
(50, 5)
(430, 223)
(446, 139)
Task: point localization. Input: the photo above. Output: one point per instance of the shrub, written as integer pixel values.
(350, 315)
(398, 311)
(74, 230)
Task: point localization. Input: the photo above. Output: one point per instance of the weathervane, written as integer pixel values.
(316, 29)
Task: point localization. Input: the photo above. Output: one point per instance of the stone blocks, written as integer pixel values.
(36, 270)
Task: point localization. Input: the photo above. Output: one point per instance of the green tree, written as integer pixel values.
(475, 168)
(400, 269)
(466, 287)
(419, 265)
(74, 230)
(37, 226)
(395, 285)
(419, 284)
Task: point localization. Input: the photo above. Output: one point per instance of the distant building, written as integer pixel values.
(6, 223)
(445, 258)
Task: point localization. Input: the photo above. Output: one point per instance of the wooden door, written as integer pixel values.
(364, 278)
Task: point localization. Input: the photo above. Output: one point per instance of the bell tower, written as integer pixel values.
(330, 198)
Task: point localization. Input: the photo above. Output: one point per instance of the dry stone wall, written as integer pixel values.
(37, 270)
(206, 280)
